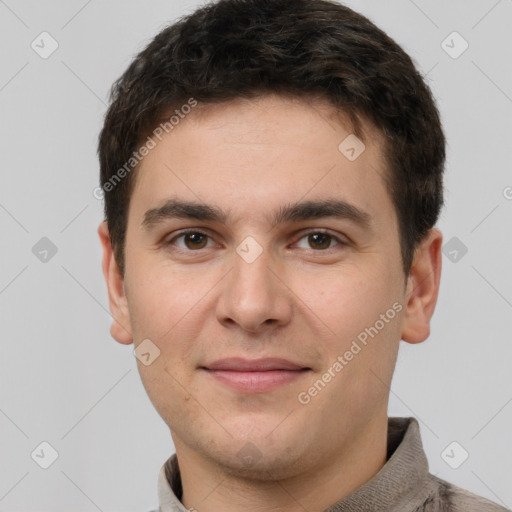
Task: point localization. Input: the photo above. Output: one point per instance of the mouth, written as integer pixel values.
(255, 376)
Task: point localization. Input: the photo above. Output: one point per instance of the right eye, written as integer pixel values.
(193, 240)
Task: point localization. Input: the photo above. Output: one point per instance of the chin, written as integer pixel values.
(252, 464)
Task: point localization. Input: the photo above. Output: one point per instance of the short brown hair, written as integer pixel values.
(243, 48)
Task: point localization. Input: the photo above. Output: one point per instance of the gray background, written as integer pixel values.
(65, 381)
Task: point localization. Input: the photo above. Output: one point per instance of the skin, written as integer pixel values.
(297, 300)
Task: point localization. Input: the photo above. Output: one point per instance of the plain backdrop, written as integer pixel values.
(65, 381)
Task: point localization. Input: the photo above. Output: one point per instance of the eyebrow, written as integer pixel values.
(295, 212)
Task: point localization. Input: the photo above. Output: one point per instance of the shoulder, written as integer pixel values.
(447, 497)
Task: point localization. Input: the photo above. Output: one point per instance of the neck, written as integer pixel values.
(210, 487)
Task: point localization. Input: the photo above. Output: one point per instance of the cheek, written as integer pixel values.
(170, 308)
(161, 298)
(345, 299)
(164, 305)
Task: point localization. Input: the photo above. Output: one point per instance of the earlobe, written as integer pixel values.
(423, 288)
(121, 328)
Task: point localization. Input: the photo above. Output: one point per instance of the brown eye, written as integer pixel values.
(192, 240)
(319, 240)
(195, 240)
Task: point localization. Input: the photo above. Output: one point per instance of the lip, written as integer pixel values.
(239, 364)
(257, 375)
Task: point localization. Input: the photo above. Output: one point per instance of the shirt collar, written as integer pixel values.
(399, 485)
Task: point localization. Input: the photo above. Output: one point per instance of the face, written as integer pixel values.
(296, 255)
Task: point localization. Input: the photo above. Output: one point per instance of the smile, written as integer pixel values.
(256, 381)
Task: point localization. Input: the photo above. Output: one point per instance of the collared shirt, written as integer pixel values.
(403, 484)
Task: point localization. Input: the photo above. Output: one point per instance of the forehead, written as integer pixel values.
(250, 156)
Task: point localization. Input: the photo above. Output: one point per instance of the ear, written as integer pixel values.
(120, 329)
(422, 288)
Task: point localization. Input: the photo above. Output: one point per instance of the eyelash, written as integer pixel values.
(340, 242)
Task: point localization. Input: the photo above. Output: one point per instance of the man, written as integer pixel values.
(272, 173)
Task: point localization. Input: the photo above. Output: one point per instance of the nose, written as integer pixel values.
(254, 296)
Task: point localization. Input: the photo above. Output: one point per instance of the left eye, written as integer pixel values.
(319, 240)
